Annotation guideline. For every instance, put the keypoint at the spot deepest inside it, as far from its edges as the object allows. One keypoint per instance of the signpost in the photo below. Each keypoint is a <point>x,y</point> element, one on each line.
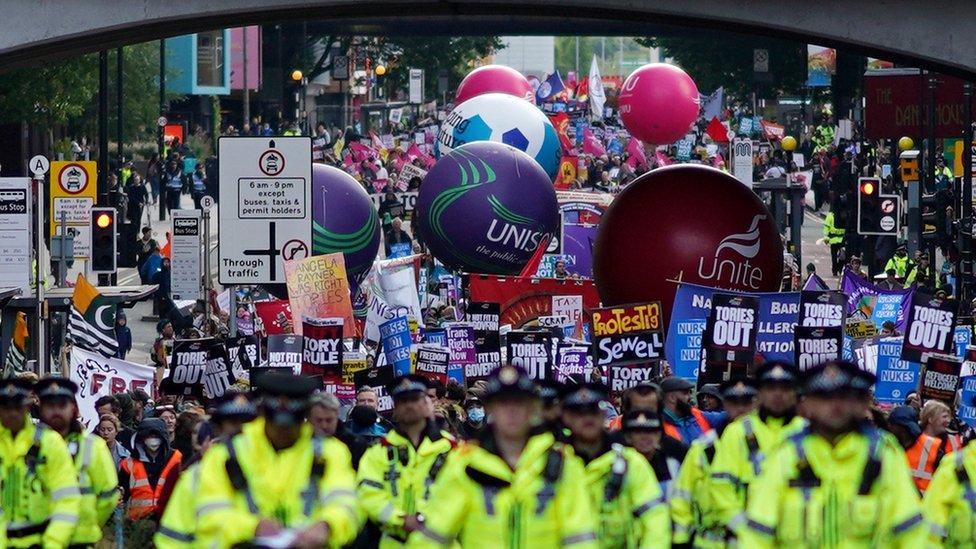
<point>185,249</point>
<point>265,194</point>
<point>742,160</point>
<point>73,191</point>
<point>15,233</point>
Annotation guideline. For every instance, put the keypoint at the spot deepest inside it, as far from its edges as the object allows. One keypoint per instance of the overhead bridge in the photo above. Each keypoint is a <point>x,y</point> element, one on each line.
<point>935,35</point>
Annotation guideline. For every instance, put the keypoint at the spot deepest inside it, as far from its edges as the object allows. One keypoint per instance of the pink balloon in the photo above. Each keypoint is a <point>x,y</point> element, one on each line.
<point>659,103</point>
<point>494,79</point>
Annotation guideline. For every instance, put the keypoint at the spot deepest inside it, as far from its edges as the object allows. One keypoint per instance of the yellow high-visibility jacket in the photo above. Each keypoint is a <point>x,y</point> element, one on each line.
<point>178,527</point>
<point>812,494</point>
<point>739,455</point>
<point>99,486</point>
<point>485,504</point>
<point>277,485</point>
<point>692,504</point>
<point>949,505</point>
<point>40,496</point>
<point>833,234</point>
<point>395,479</point>
<point>631,506</point>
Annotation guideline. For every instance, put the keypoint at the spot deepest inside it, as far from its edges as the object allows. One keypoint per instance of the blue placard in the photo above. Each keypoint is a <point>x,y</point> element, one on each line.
<point>395,335</point>
<point>778,314</point>
<point>896,377</point>
<point>967,412</point>
<point>962,336</point>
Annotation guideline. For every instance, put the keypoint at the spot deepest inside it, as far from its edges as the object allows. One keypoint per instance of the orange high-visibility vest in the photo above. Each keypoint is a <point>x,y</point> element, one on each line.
<point>922,460</point>
<point>672,431</point>
<point>143,499</point>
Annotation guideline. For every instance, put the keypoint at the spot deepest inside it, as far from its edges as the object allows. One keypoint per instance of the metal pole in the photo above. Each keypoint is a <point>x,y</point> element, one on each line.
<point>102,177</point>
<point>965,215</point>
<point>247,89</point>
<point>232,313</point>
<point>930,169</point>
<point>39,279</point>
<point>62,259</point>
<point>206,271</point>
<point>577,59</point>
<point>161,144</point>
<point>119,65</point>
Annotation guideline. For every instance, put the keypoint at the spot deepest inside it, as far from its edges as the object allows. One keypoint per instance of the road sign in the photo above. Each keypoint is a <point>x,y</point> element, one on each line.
<point>877,214</point>
<point>888,205</point>
<point>73,191</point>
<point>161,121</point>
<point>265,189</point>
<point>39,165</point>
<point>186,271</point>
<point>887,223</point>
<point>760,60</point>
<point>15,233</point>
<point>416,86</point>
<point>207,202</point>
<point>742,160</point>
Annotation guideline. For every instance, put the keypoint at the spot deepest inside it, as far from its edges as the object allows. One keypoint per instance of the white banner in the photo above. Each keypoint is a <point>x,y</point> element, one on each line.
<point>98,376</point>
<point>392,289</point>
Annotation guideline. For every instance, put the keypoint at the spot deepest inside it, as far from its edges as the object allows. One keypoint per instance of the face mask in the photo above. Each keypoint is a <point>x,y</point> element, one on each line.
<point>476,415</point>
<point>153,443</point>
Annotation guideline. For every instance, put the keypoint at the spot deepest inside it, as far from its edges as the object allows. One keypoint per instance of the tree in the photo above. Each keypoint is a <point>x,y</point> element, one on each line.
<point>715,59</point>
<point>453,55</point>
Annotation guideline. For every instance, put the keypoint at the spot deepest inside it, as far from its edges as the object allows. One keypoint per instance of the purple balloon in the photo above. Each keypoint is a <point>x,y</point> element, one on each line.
<point>344,220</point>
<point>484,207</point>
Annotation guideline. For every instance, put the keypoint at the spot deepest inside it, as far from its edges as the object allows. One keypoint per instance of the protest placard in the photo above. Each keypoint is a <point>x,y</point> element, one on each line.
<point>865,301</point>
<point>285,351</point>
<point>822,309</point>
<point>532,351</point>
<point>624,376</point>
<point>930,327</point>
<point>860,329</point>
<point>318,288</point>
<point>97,376</point>
<point>242,354</point>
<point>395,337</point>
<point>322,346</point>
<point>218,375</point>
<point>896,377</point>
<point>378,379</point>
<point>408,172</point>
<point>939,377</point>
<point>432,362</point>
<point>729,342</point>
<point>570,306</point>
<point>188,364</point>
<point>275,316</point>
<point>484,317</point>
<point>815,345</point>
<point>460,341</point>
<point>628,334</point>
<point>574,361</point>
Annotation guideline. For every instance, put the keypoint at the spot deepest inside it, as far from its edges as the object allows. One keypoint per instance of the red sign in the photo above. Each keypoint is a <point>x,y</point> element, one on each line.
<point>524,299</point>
<point>895,105</point>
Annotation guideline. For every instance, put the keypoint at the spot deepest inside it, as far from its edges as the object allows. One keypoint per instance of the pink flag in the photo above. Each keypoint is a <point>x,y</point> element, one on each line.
<point>415,152</point>
<point>361,152</point>
<point>661,159</point>
<point>635,150</point>
<point>717,160</point>
<point>592,145</point>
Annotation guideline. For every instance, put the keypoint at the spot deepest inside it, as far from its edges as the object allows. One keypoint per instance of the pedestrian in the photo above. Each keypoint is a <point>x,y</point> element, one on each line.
<point>39,471</point>
<point>108,428</point>
<point>891,280</point>
<point>836,482</point>
<point>834,231</point>
<point>922,275</point>
<point>739,453</point>
<point>644,431</point>
<point>162,278</point>
<point>921,450</point>
<point>935,419</point>
<point>172,181</point>
<point>948,504</point>
<point>147,477</point>
<point>511,472</point>
<point>93,464</point>
<point>198,187</point>
<point>900,262</point>
<point>153,175</point>
<point>398,243</point>
<point>395,476</point>
<point>693,511</point>
<point>276,476</point>
<point>474,419</point>
<point>709,399</point>
<point>136,199</point>
<point>324,414</point>
<point>621,485</point>
<point>123,335</point>
<point>167,413</point>
<point>643,396</point>
<point>682,421</point>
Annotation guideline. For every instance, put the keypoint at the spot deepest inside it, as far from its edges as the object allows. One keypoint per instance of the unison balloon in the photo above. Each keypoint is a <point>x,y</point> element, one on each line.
<point>484,207</point>
<point>494,79</point>
<point>659,103</point>
<point>685,223</point>
<point>504,119</point>
<point>344,220</point>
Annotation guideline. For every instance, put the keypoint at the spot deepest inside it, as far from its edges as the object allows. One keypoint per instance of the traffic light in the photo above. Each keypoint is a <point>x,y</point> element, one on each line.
<point>868,205</point>
<point>103,240</point>
<point>934,227</point>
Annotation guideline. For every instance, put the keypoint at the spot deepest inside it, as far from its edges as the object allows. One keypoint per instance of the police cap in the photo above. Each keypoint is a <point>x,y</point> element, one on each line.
<point>15,391</point>
<point>55,387</point>
<point>738,389</point>
<point>234,405</point>
<point>408,385</point>
<point>776,372</point>
<point>641,420</point>
<point>587,396</point>
<point>829,378</point>
<point>862,381</point>
<point>510,380</point>
<point>286,385</point>
<point>550,390</point>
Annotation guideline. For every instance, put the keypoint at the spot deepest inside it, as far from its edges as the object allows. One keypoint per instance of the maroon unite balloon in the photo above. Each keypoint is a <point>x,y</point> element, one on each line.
<point>690,223</point>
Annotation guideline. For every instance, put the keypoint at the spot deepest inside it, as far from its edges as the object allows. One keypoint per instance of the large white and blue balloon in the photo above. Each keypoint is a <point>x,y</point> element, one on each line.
<point>507,119</point>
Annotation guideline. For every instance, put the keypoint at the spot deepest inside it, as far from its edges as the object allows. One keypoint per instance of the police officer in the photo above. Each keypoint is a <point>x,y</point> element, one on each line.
<point>693,512</point>
<point>97,477</point>
<point>275,480</point>
<point>836,482</point>
<point>949,505</point>
<point>621,484</point>
<point>178,527</point>
<point>395,475</point>
<point>40,488</point>
<point>510,488</point>
<point>746,442</point>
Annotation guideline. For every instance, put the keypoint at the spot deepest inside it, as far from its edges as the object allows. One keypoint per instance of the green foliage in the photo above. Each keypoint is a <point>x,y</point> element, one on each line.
<point>49,94</point>
<point>716,59</point>
<point>434,54</point>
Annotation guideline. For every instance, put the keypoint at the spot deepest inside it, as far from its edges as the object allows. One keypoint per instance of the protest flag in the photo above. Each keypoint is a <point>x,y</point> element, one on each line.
<point>597,96</point>
<point>711,105</point>
<point>717,131</point>
<point>17,353</point>
<point>561,122</point>
<point>378,145</point>
<point>567,172</point>
<point>360,152</point>
<point>338,146</point>
<point>533,265</point>
<point>550,88</point>
<point>635,150</point>
<point>91,324</point>
<point>592,145</point>
<point>583,90</point>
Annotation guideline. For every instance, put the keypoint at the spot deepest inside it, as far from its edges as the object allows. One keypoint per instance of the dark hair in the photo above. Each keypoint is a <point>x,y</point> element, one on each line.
<point>455,392</point>
<point>108,399</point>
<point>626,399</point>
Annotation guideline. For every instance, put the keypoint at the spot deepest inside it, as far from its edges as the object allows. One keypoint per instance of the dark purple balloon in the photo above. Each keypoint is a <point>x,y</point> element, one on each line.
<point>344,220</point>
<point>484,207</point>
